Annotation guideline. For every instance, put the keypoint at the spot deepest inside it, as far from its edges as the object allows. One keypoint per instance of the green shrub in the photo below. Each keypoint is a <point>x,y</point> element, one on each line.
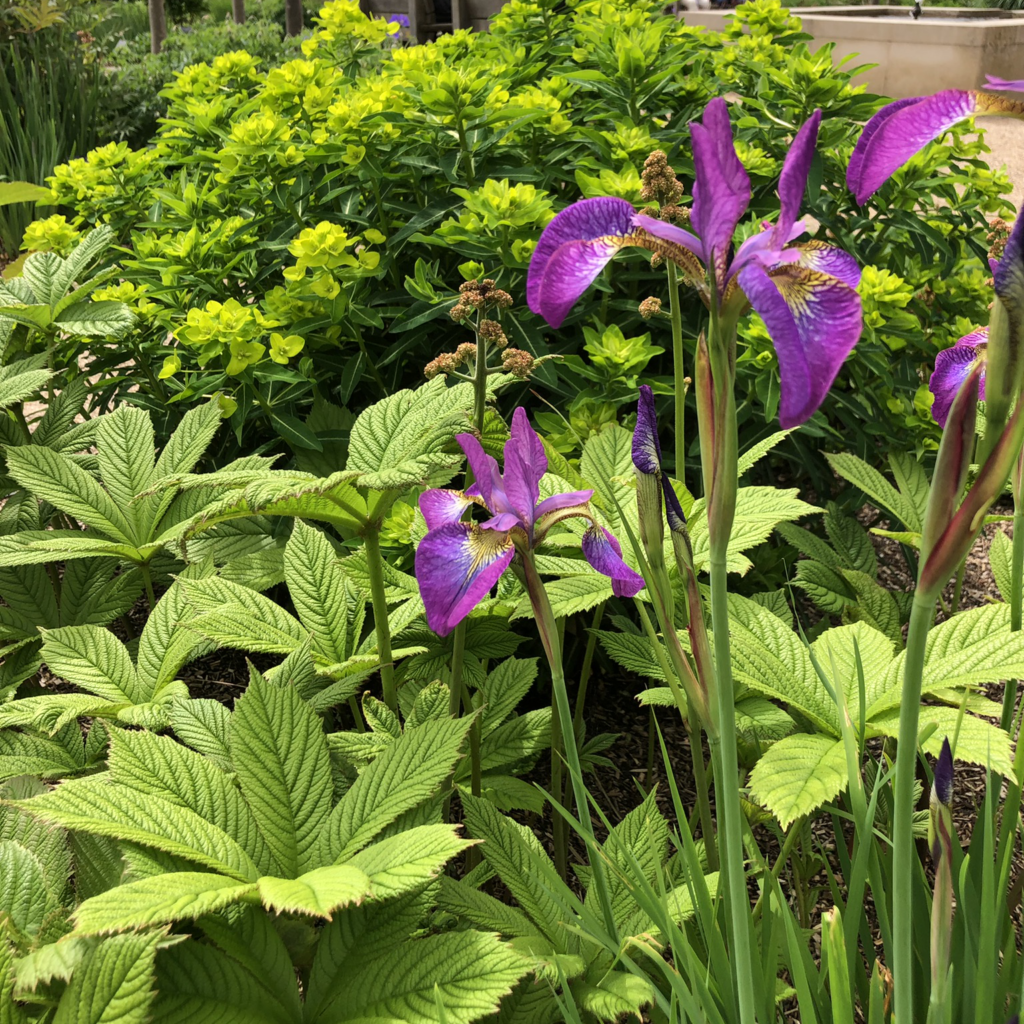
<point>431,162</point>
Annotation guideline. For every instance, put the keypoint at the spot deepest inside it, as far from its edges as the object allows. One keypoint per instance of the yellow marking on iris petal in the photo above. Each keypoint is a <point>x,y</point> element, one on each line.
<point>683,258</point>
<point>485,546</point>
<point>800,287</point>
<point>988,105</point>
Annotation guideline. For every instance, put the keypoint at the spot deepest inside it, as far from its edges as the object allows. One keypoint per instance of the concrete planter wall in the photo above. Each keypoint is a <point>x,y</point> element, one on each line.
<point>474,14</point>
<point>947,48</point>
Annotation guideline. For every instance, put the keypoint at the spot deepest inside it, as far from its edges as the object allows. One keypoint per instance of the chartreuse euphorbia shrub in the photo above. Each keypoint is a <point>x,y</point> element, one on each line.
<point>416,161</point>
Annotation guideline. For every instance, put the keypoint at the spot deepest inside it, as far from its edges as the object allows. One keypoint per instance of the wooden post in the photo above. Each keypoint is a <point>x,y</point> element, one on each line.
<point>238,11</point>
<point>157,25</point>
<point>292,17</point>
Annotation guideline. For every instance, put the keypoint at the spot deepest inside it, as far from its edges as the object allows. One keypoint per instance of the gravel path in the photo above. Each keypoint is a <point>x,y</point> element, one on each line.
<point>1006,139</point>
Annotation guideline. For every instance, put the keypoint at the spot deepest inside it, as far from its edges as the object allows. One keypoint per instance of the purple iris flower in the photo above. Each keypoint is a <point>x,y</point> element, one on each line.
<point>954,365</point>
<point>805,292</point>
<point>903,128</point>
<point>457,563</point>
<point>401,20</point>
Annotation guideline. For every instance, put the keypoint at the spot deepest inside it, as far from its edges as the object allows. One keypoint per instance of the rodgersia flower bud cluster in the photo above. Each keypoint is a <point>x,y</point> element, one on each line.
<point>659,183</point>
<point>478,297</point>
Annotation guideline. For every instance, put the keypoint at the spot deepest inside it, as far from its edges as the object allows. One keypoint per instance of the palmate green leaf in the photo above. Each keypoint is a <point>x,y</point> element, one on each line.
<point>159,765</point>
<point>465,972</point>
<point>1000,557</point>
<point>55,960</point>
<point>825,586</point>
<point>772,660</point>
<point>114,984</point>
<point>408,860</point>
<point>876,487</point>
<point>96,319</point>
<point>280,756</point>
<point>810,544</point>
<point>570,595</point>
<point>319,892</point>
<point>632,652</point>
<point>758,511</point>
<point>126,453</point>
<point>319,590</point>
<point>25,896</point>
<point>167,643</point>
<point>484,911</point>
<point>975,646</point>
<point>48,845</point>
<point>25,753</point>
<point>875,605</point>
<point>515,853</point>
<point>200,984</point>
<point>977,741</point>
<point>36,547</point>
<point>406,438</point>
<point>52,712</point>
<point>759,719</point>
<point>799,774</point>
<point>234,616</point>
<point>613,995</point>
<point>204,725</point>
<point>408,772</point>
<point>162,899</point>
<point>520,739</point>
<point>838,652</point>
<point>911,480</point>
<point>506,685</point>
<point>96,806</point>
<point>28,592</point>
<point>60,481</point>
<point>851,541</point>
<point>92,595</point>
<point>607,465</point>
<point>18,386</point>
<point>95,660</point>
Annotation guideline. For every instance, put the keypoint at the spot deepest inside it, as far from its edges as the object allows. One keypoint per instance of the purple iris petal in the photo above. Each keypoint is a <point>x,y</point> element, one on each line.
<point>572,269</point>
<point>674,511</point>
<point>943,776</point>
<point>814,321</point>
<point>442,507</point>
<point>456,567</point>
<point>829,259</point>
<point>721,190</point>
<point>952,367</point>
<point>486,474</point>
<point>646,446</point>
<point>670,233</point>
<point>525,464</point>
<point>793,180</point>
<point>503,521</point>
<point>558,502</point>
<point>1004,85</point>
<point>900,130</point>
<point>602,551</point>
<point>590,220</point>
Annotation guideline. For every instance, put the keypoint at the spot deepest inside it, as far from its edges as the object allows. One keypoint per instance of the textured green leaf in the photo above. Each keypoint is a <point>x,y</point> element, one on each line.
<point>91,595</point>
<point>760,719</point>
<point>977,741</point>
<point>52,712</point>
<point>809,544</point>
<point>157,764</point>
<point>56,960</point>
<point>465,972</point>
<point>319,590</point>
<point>96,319</point>
<point>634,653</point>
<point>17,387</point>
<point>95,660</point>
<point>57,479</point>
<point>607,465</point>
<point>570,595</point>
<point>876,487</point>
<point>975,646</point>
<point>22,192</point>
<point>519,739</point>
<point>1000,557</point>
<point>520,861</point>
<point>851,541</point>
<point>121,812</point>
<point>163,899</point>
<point>319,892</point>
<point>200,984</point>
<point>506,685</point>
<point>204,725</point>
<point>875,605</point>
<point>167,643</point>
<point>408,772</point>
<point>838,651</point>
<point>799,774</point>
<point>484,911</point>
<point>126,452</point>
<point>28,754</point>
<point>825,586</point>
<point>409,859</point>
<point>25,896</point>
<point>114,984</point>
<point>279,753</point>
<point>613,995</point>
<point>911,480</point>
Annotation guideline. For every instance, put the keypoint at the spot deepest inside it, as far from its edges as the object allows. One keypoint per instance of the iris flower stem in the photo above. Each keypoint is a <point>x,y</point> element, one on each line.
<point>1016,596</point>
<point>375,569</point>
<point>548,629</point>
<point>921,617</point>
<point>678,371</point>
<point>581,690</point>
<point>718,426</point>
